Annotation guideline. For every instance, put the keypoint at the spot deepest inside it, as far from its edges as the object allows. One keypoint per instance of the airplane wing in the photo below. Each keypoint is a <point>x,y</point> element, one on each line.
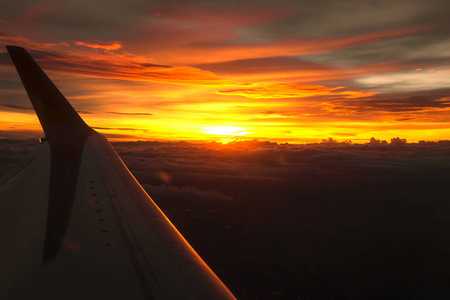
<point>75,223</point>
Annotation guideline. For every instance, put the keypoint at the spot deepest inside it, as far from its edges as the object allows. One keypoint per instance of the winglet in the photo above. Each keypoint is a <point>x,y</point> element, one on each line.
<point>59,120</point>
<point>66,134</point>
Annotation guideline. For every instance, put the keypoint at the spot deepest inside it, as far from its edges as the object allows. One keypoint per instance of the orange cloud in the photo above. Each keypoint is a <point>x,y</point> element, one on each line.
<point>99,45</point>
<point>127,66</point>
<point>121,66</point>
<point>6,39</point>
<point>293,91</point>
<point>291,69</point>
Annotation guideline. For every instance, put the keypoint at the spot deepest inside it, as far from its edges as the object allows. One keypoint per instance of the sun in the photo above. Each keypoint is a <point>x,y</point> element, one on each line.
<point>225,130</point>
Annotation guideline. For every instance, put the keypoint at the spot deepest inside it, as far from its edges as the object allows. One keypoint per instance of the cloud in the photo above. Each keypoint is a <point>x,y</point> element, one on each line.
<point>125,66</point>
<point>252,162</point>
<point>413,103</point>
<point>195,53</point>
<point>120,128</point>
<point>17,107</point>
<point>118,136</point>
<point>407,81</point>
<point>38,11</point>
<point>398,141</point>
<point>12,151</point>
<point>338,19</point>
<point>6,39</point>
<point>293,91</point>
<point>23,134</point>
<point>299,70</point>
<point>99,44</point>
<point>131,67</point>
<point>186,194</point>
<point>129,113</point>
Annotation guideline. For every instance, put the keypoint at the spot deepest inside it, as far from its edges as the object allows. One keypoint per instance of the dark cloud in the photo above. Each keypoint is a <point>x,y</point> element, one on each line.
<point>121,128</point>
<point>6,84</point>
<point>405,119</point>
<point>72,21</point>
<point>355,17</point>
<point>146,65</point>
<point>4,57</point>
<point>398,103</point>
<point>327,18</point>
<point>16,106</point>
<point>263,65</point>
<point>12,151</point>
<point>186,194</point>
<point>14,99</point>
<point>343,134</point>
<point>14,133</point>
<point>118,136</point>
<point>282,113</point>
<point>129,113</point>
<point>425,49</point>
<point>42,55</point>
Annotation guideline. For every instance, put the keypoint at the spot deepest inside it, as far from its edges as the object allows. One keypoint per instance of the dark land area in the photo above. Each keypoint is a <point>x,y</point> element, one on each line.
<point>318,221</point>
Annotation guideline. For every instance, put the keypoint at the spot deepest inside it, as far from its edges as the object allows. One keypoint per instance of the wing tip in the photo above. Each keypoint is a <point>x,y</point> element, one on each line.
<point>13,48</point>
<point>58,118</point>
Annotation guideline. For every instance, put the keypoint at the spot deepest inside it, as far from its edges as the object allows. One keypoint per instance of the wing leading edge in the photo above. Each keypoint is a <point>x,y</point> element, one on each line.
<point>85,228</point>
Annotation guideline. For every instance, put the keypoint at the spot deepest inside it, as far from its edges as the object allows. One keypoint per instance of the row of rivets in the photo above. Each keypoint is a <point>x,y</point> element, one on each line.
<point>99,211</point>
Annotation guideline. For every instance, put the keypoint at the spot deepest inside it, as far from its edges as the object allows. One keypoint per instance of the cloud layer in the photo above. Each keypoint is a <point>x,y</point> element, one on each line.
<point>330,219</point>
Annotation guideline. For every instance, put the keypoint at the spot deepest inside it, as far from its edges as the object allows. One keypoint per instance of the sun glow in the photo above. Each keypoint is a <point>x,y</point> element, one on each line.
<point>225,130</point>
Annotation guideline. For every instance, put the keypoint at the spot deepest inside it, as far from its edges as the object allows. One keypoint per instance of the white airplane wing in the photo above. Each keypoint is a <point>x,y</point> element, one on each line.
<point>75,223</point>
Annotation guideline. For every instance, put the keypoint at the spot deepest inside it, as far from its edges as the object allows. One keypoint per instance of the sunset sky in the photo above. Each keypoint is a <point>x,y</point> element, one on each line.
<point>286,71</point>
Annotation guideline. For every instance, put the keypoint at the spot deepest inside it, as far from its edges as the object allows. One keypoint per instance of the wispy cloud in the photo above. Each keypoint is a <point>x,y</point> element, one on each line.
<point>417,80</point>
<point>412,104</point>
<point>17,106</point>
<point>99,44</point>
<point>120,128</point>
<point>6,39</point>
<point>293,91</point>
<point>125,66</point>
<point>132,67</point>
<point>291,46</point>
<point>129,113</point>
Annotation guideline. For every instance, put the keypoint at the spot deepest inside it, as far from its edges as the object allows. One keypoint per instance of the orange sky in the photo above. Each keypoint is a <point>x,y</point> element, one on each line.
<point>209,71</point>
